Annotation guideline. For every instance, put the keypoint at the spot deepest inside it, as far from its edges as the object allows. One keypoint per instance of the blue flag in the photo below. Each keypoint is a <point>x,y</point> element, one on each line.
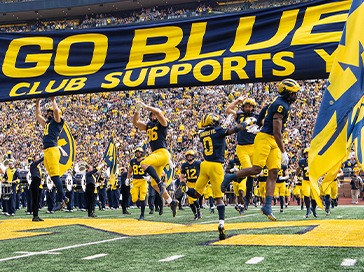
<point>110,156</point>
<point>339,122</point>
<point>68,144</point>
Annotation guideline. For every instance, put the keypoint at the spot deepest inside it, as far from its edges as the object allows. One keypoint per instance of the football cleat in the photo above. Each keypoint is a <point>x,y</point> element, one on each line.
<point>162,187</point>
<point>237,208</point>
<point>268,213</point>
<point>327,212</point>
<point>37,219</point>
<point>92,215</point>
<point>151,211</point>
<point>141,217</point>
<point>314,212</point>
<point>196,217</point>
<point>221,229</point>
<point>212,210</point>
<point>241,210</point>
<point>126,212</point>
<point>227,179</point>
<point>199,216</point>
<point>173,206</point>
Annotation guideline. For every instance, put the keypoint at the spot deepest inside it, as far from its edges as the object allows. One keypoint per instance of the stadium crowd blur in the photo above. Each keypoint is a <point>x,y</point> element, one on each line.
<point>93,117</point>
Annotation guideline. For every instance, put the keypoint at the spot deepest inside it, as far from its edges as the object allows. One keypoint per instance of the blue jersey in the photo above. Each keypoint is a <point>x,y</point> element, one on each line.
<point>191,171</point>
<point>214,144</point>
<point>279,105</point>
<point>245,137</point>
<point>281,173</point>
<point>303,163</point>
<point>138,172</point>
<point>157,135</point>
<point>52,130</point>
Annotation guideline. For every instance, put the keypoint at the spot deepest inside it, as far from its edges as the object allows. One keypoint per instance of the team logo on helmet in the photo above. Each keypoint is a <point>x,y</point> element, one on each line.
<point>210,119</point>
<point>288,88</point>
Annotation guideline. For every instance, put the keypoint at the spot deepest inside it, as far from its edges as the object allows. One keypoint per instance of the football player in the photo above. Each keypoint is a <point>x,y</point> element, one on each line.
<point>138,185</point>
<point>330,189</point>
<point>269,148</point>
<point>53,125</point>
<point>280,189</point>
<point>190,170</point>
<point>302,169</point>
<point>156,129</point>
<point>245,147</point>
<point>214,144</point>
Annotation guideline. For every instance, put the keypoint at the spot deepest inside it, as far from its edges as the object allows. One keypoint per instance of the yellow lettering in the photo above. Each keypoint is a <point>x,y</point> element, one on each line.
<point>258,59</point>
<point>112,78</point>
<point>245,30</point>
<point>168,49</point>
<point>238,68</point>
<point>278,59</point>
<point>34,89</point>
<point>317,16</point>
<point>179,69</point>
<point>13,91</point>
<point>216,70</point>
<point>75,84</point>
<point>98,57</point>
<point>195,42</point>
<point>157,72</point>
<point>39,60</point>
<point>49,89</point>
<point>127,78</point>
<point>329,59</point>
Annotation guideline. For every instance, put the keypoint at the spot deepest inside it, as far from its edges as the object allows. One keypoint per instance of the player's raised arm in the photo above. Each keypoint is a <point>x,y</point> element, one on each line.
<point>38,113</point>
<point>136,118</point>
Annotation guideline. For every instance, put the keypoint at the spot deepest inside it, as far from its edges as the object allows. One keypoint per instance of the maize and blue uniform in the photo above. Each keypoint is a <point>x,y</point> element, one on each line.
<point>160,156</point>
<point>280,189</point>
<point>266,150</point>
<point>237,186</point>
<point>191,172</point>
<point>214,145</point>
<point>262,181</point>
<point>139,185</point>
<point>306,188</point>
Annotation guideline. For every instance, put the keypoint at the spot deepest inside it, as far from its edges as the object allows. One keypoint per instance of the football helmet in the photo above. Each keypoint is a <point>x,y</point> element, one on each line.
<point>141,150</point>
<point>210,119</point>
<point>190,153</point>
<point>250,101</point>
<point>288,88</point>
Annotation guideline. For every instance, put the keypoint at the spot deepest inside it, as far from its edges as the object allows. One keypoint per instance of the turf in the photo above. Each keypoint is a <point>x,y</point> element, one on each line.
<point>64,239</point>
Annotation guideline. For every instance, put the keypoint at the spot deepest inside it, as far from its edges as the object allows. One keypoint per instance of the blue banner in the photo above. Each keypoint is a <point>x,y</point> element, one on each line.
<point>297,41</point>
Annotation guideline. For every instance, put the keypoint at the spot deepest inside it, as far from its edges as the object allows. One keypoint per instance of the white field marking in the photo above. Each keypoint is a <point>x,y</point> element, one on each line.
<point>339,216</point>
<point>255,260</point>
<point>44,252</point>
<point>172,258</point>
<point>230,218</point>
<point>28,252</point>
<point>348,262</point>
<point>95,256</point>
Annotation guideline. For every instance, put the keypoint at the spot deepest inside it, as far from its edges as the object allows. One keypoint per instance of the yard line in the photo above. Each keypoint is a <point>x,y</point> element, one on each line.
<point>172,258</point>
<point>255,260</point>
<point>348,262</point>
<point>95,256</point>
<point>44,252</point>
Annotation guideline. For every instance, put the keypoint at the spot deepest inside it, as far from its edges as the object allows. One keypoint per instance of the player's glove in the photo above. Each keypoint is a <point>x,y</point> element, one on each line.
<point>285,159</point>
<point>127,182</point>
<point>248,122</point>
<point>253,129</point>
<point>138,106</point>
<point>233,170</point>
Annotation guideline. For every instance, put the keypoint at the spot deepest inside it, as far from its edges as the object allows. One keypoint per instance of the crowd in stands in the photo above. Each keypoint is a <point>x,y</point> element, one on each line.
<point>93,117</point>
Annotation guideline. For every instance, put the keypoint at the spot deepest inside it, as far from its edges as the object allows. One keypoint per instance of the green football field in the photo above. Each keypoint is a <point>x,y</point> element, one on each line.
<point>115,242</point>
